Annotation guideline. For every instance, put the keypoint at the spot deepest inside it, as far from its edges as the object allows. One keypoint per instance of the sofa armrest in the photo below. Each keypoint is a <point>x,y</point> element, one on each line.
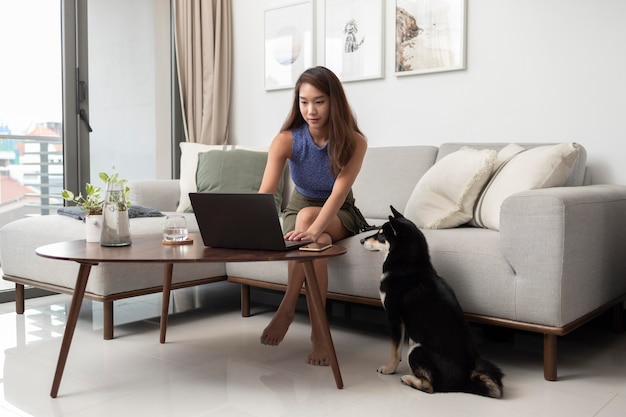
<point>162,195</point>
<point>566,246</point>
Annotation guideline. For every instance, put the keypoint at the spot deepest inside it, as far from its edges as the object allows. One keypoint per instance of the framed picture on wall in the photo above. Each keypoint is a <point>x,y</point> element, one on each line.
<point>430,36</point>
<point>288,43</point>
<point>353,44</point>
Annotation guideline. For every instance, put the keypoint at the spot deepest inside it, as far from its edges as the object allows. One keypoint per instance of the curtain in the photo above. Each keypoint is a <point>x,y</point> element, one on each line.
<point>203,45</point>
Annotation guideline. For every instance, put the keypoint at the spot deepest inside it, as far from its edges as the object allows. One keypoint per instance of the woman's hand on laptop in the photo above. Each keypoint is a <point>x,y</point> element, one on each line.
<point>299,235</point>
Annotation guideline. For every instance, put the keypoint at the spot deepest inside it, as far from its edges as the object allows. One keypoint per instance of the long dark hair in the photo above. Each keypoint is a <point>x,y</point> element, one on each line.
<point>342,123</point>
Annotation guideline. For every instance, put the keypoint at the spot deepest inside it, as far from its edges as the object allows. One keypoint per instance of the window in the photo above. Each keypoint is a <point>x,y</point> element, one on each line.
<point>31,150</point>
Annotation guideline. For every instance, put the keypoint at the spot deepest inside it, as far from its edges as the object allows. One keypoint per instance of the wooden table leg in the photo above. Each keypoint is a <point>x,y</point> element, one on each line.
<point>318,313</point>
<point>165,305</point>
<point>72,318</point>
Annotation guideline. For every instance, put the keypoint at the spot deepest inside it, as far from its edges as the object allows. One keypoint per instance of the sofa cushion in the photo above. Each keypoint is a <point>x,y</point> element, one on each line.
<point>529,169</point>
<point>387,176</point>
<point>471,262</point>
<point>188,163</point>
<point>21,237</point>
<point>234,171</point>
<point>578,176</point>
<point>445,195</point>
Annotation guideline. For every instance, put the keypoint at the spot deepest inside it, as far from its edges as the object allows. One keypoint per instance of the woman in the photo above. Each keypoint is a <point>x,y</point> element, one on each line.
<point>325,150</point>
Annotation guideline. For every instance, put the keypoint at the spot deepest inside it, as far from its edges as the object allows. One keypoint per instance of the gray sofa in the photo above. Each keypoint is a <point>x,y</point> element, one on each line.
<point>555,263</point>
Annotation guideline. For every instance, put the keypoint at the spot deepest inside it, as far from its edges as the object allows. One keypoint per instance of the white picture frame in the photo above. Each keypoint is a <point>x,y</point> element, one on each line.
<point>430,36</point>
<point>354,39</point>
<point>289,43</point>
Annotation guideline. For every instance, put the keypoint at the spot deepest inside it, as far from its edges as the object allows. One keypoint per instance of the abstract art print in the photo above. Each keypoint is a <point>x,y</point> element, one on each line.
<point>288,43</point>
<point>430,36</point>
<point>353,46</point>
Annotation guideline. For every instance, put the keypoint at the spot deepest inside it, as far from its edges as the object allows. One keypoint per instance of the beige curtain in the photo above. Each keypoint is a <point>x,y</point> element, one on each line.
<point>203,44</point>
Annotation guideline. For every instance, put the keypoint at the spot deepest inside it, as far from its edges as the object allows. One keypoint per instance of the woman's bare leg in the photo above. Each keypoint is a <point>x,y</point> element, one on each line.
<point>275,332</point>
<point>320,355</point>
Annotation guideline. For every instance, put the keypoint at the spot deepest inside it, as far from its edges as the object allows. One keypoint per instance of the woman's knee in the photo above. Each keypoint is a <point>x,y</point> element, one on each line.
<point>306,217</point>
<point>325,238</point>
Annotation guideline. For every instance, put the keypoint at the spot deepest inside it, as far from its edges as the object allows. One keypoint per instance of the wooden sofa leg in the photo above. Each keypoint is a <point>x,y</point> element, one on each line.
<point>549,357</point>
<point>245,300</point>
<point>19,298</point>
<point>108,319</point>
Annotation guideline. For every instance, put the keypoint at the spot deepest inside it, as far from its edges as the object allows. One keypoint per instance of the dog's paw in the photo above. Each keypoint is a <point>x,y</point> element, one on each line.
<point>388,369</point>
<point>417,383</point>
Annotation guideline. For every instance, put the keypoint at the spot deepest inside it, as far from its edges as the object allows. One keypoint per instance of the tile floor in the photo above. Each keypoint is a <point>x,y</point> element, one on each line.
<point>213,365</point>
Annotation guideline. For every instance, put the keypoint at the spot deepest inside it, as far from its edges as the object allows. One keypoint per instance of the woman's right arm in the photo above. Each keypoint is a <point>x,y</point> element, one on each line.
<point>280,151</point>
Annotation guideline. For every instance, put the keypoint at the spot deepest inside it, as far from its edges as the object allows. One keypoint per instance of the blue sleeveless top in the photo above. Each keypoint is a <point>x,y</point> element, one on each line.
<point>310,165</point>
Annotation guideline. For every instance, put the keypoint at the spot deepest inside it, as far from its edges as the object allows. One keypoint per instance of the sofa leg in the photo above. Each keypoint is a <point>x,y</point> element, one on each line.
<point>549,357</point>
<point>108,319</point>
<point>19,298</point>
<point>245,300</point>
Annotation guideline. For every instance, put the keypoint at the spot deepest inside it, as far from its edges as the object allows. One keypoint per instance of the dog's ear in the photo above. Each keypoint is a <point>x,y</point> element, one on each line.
<point>396,213</point>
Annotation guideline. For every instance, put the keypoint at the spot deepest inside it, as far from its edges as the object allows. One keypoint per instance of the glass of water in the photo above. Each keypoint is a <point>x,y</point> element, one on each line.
<point>175,228</point>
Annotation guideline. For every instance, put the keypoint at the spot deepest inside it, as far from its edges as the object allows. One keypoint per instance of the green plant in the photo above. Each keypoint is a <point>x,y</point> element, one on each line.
<point>117,196</point>
<point>91,203</point>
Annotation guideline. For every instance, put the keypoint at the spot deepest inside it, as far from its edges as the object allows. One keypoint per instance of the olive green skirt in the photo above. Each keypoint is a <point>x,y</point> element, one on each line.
<point>349,214</point>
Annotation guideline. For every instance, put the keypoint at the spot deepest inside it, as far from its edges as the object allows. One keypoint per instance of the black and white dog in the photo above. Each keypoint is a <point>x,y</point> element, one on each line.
<point>442,354</point>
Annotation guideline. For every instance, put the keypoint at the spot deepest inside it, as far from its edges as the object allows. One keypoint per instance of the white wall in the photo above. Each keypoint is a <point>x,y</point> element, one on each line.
<point>537,71</point>
<point>129,88</point>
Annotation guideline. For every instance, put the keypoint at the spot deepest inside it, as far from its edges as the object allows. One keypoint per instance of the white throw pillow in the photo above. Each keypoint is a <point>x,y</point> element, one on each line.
<point>535,168</point>
<point>445,195</point>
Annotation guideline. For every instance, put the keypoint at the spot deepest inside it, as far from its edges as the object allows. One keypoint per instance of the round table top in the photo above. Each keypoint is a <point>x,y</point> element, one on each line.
<point>150,248</point>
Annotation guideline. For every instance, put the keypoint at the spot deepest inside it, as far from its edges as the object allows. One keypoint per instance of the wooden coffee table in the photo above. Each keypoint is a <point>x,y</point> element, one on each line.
<point>150,249</point>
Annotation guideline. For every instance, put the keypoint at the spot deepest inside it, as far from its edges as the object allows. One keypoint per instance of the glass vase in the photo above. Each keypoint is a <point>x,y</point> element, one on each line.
<point>116,223</point>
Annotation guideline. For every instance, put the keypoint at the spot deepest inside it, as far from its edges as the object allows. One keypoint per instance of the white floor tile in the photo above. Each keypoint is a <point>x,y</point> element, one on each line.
<point>212,364</point>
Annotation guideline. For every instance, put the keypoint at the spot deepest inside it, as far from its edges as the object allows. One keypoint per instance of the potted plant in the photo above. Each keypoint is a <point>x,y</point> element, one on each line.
<point>92,203</point>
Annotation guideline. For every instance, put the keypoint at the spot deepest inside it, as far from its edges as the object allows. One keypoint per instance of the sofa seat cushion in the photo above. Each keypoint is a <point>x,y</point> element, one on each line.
<point>487,288</point>
<point>363,271</point>
<point>470,261</point>
<point>21,237</point>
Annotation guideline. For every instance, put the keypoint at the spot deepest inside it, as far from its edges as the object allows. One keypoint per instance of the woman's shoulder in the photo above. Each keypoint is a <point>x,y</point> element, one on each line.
<point>285,136</point>
<point>282,143</point>
<point>359,139</point>
<point>360,146</point>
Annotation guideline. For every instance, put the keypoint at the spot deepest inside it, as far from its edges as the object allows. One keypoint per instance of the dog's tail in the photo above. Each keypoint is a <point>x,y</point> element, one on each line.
<point>486,379</point>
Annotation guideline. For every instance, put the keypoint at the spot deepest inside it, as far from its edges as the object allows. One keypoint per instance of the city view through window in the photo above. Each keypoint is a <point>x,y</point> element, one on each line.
<point>31,169</point>
<point>31,153</point>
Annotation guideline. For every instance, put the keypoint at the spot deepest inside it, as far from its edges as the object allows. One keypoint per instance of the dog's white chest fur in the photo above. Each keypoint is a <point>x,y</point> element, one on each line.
<point>382,293</point>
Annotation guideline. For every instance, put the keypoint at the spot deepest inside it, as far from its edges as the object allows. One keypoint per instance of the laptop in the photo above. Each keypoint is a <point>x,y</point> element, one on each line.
<point>240,221</point>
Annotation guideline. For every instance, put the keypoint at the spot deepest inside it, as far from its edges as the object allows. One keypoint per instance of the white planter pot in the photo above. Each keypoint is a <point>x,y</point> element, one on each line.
<point>93,227</point>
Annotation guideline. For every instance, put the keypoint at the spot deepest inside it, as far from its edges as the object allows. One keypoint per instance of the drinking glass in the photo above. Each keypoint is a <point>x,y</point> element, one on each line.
<point>175,228</point>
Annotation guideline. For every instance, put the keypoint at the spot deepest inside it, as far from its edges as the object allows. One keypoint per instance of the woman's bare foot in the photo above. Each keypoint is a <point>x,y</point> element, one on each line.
<point>275,332</point>
<point>319,356</point>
